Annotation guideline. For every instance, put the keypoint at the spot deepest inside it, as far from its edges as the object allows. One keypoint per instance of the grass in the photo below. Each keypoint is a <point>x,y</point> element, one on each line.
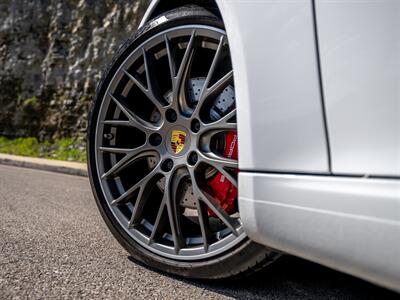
<point>61,149</point>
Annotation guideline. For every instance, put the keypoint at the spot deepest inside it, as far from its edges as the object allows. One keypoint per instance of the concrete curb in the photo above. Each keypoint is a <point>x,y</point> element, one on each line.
<point>66,167</point>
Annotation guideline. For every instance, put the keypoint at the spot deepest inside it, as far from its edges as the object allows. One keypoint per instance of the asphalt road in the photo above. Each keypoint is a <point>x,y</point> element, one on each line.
<point>54,244</point>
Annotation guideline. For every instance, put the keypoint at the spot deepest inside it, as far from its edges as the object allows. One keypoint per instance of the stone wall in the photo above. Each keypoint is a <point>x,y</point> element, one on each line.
<point>52,53</point>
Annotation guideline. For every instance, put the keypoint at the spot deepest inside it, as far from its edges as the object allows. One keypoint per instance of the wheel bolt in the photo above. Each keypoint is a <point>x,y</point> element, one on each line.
<point>192,159</point>
<point>167,165</point>
<point>108,136</point>
<point>155,139</point>
<point>171,115</point>
<point>195,125</point>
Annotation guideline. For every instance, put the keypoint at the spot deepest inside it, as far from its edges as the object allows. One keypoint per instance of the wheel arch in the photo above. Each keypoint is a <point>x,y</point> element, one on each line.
<point>157,7</point>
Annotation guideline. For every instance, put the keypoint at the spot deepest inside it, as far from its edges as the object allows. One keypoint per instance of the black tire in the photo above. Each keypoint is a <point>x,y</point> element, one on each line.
<point>244,258</point>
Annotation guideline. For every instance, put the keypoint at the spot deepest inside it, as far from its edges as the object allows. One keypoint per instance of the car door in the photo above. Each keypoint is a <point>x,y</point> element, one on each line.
<point>359,48</point>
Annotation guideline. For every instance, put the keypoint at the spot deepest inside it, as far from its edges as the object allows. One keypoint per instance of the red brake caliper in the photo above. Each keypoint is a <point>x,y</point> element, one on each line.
<point>221,188</point>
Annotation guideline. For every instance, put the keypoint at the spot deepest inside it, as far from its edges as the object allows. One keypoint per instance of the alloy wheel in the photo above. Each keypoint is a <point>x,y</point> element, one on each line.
<point>166,131</point>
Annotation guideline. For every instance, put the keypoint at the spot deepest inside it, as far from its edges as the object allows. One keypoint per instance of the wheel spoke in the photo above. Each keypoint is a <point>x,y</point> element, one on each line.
<point>213,205</point>
<point>180,78</point>
<point>214,90</point>
<point>220,85</point>
<point>221,164</point>
<point>213,66</point>
<point>139,185</point>
<point>136,81</point>
<point>115,150</point>
<point>131,156</point>
<point>216,59</point>
<point>171,59</point>
<point>204,223</point>
<point>222,124</point>
<point>171,188</point>
<point>148,90</point>
<point>134,121</point>
<point>159,222</point>
<point>116,123</point>
<point>142,198</point>
<point>185,63</point>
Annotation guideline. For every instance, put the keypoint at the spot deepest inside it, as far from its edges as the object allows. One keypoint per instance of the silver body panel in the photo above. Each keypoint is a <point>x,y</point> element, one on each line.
<point>280,120</point>
<point>349,224</point>
<point>318,94</point>
<point>360,62</point>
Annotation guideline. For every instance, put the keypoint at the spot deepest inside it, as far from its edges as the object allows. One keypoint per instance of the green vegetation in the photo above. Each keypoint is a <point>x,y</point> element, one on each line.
<point>62,149</point>
<point>29,102</point>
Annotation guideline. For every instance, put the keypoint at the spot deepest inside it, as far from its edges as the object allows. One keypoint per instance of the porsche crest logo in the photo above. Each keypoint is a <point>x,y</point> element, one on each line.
<point>178,138</point>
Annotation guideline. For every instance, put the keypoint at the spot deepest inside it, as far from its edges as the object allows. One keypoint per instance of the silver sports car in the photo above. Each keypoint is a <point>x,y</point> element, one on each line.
<point>225,133</point>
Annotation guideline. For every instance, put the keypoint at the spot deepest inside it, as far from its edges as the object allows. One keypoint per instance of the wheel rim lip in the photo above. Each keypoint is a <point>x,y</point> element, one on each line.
<point>185,254</point>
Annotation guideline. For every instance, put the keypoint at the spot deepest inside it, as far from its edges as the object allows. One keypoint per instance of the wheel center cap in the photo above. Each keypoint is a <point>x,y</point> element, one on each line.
<point>178,141</point>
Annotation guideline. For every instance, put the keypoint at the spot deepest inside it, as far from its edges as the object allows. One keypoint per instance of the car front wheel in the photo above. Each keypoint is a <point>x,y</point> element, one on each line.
<point>162,149</point>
